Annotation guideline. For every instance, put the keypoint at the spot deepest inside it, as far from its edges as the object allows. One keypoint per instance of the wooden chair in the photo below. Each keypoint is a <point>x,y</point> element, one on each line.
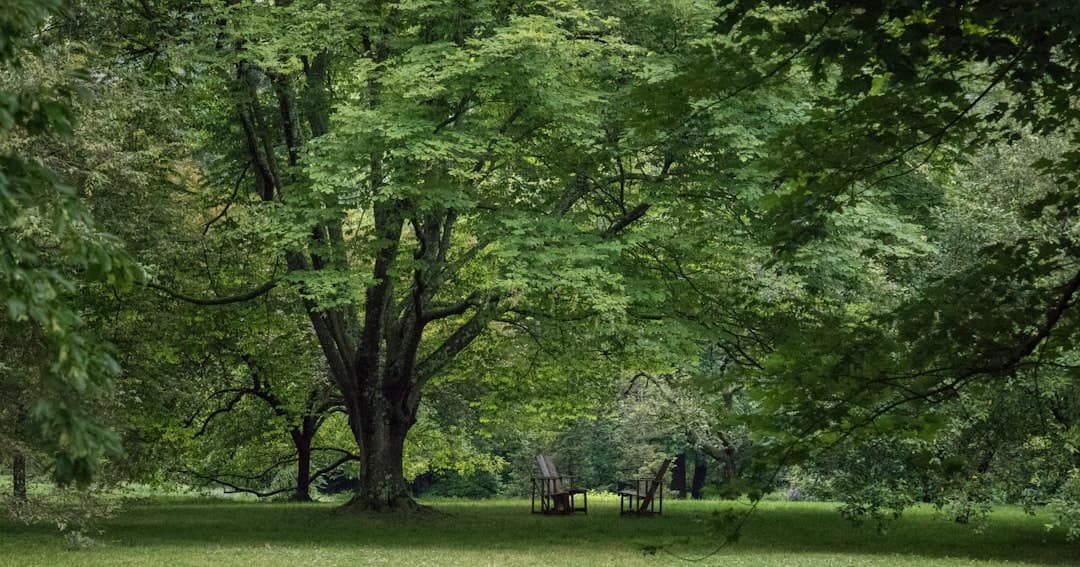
<point>639,496</point>
<point>557,492</point>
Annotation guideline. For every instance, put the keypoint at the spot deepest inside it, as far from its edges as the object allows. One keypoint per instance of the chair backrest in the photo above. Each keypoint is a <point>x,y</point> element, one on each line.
<point>651,491</point>
<point>551,467</point>
<point>549,473</point>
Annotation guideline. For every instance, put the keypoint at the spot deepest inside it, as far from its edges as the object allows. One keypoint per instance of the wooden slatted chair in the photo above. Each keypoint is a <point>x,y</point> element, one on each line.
<point>557,494</point>
<point>639,496</point>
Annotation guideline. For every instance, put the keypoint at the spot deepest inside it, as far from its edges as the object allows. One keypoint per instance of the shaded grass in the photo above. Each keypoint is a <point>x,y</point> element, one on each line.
<point>216,532</point>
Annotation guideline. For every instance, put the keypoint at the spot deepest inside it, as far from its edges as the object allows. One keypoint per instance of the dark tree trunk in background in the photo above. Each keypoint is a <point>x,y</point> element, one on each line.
<point>678,476</point>
<point>302,438</point>
<point>700,472</point>
<point>18,477</point>
<point>18,464</point>
<point>303,475</point>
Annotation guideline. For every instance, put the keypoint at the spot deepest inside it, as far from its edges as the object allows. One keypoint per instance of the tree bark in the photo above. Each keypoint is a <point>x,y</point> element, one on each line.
<point>381,438</point>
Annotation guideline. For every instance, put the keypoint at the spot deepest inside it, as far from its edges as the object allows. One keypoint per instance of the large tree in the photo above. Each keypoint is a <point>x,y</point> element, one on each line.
<point>422,172</point>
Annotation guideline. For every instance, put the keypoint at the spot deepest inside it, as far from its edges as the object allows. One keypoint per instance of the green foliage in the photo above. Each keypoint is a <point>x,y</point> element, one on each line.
<point>74,513</point>
<point>50,251</point>
<point>1066,506</point>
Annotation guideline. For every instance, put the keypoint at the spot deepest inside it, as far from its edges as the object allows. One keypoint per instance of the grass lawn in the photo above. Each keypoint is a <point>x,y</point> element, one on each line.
<point>221,532</point>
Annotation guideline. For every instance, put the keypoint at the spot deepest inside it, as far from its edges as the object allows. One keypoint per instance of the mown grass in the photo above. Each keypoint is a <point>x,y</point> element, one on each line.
<point>217,532</point>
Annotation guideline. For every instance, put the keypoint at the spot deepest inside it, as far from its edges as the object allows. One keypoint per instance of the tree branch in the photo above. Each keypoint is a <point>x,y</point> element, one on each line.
<point>248,296</point>
<point>454,344</point>
<point>229,201</point>
<point>450,310</point>
<point>626,220</point>
<point>1051,319</point>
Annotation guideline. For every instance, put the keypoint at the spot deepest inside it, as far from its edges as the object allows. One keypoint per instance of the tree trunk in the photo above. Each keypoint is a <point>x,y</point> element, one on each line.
<point>678,476</point>
<point>380,434</point>
<point>18,465</point>
<point>302,442</point>
<point>18,477</point>
<point>700,471</point>
<point>730,472</point>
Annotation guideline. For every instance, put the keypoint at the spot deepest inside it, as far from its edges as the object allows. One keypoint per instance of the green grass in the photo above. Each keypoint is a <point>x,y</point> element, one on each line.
<point>217,532</point>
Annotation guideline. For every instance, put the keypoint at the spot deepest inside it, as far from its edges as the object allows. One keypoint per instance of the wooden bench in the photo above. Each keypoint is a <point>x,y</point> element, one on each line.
<point>557,494</point>
<point>639,496</point>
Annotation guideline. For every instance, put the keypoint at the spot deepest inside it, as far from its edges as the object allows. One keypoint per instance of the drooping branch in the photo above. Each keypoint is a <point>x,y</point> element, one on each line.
<point>954,379</point>
<point>935,138</point>
<point>333,466</point>
<point>257,476</point>
<point>520,323</point>
<point>1050,320</point>
<point>239,298</point>
<point>228,407</point>
<point>234,487</point>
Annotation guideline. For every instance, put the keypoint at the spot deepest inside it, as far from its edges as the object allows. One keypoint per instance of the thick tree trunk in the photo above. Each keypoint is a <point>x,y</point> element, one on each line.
<point>380,433</point>
<point>700,471</point>
<point>18,477</point>
<point>678,476</point>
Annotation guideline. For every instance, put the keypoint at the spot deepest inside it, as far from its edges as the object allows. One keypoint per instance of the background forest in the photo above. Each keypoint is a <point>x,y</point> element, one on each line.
<point>808,250</point>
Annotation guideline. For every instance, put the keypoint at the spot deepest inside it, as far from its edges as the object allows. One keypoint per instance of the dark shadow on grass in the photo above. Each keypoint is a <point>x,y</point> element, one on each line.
<point>822,530</point>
